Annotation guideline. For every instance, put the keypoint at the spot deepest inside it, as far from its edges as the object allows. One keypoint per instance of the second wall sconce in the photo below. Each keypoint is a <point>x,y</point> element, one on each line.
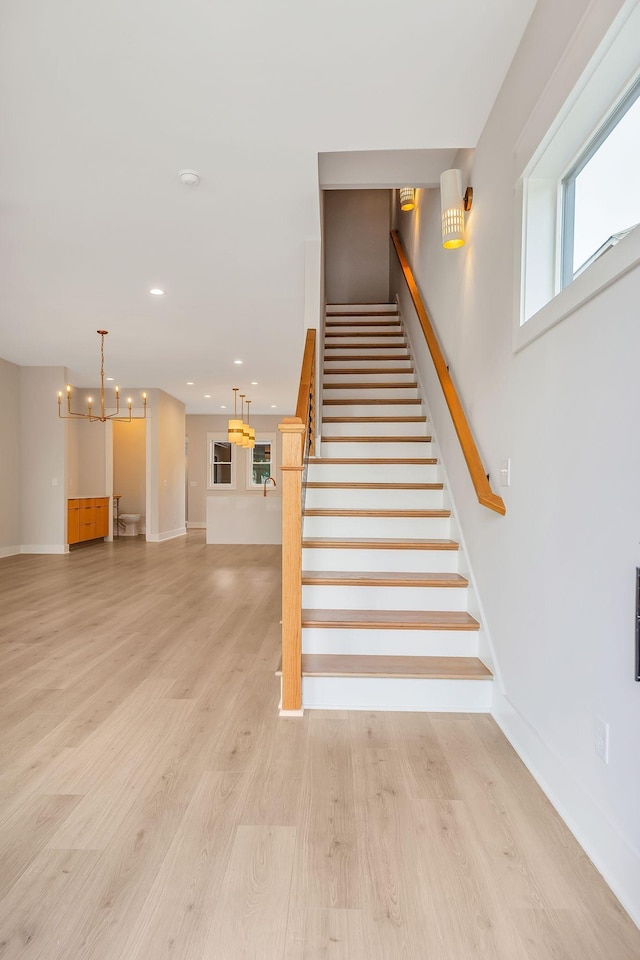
<point>453,205</point>
<point>407,198</point>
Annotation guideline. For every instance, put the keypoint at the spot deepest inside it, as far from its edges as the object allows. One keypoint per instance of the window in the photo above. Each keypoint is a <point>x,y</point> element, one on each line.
<point>577,182</point>
<point>222,474</point>
<point>601,192</point>
<point>261,461</point>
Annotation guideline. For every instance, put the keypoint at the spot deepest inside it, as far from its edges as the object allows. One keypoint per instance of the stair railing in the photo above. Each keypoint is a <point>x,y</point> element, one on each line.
<point>479,478</point>
<point>298,435</point>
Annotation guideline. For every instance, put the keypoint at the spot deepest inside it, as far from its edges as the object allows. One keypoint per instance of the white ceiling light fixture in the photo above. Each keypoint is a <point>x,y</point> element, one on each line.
<point>189,383</point>
<point>238,361</point>
<point>156,292</point>
<point>254,383</point>
<point>190,178</point>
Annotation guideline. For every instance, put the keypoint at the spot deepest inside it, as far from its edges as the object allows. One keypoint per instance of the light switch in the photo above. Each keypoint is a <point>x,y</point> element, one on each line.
<point>505,472</point>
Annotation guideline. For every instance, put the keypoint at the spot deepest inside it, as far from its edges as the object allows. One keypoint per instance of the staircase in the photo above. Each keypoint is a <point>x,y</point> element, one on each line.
<point>384,620</point>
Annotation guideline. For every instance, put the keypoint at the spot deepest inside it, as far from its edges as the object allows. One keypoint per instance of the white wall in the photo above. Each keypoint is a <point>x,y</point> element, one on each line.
<point>42,461</point>
<point>165,466</point>
<point>556,576</point>
<point>356,245</point>
<point>9,459</point>
<point>86,458</point>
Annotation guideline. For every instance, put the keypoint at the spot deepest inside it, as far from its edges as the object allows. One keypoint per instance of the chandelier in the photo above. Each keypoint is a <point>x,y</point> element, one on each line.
<point>102,416</point>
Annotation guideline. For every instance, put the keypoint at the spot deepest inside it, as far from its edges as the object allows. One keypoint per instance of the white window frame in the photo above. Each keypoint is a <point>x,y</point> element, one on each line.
<point>542,302</point>
<point>217,487</point>
<point>261,438</point>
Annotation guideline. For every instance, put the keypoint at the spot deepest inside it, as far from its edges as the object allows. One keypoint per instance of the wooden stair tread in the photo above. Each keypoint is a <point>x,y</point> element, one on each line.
<point>374,419</point>
<point>378,543</point>
<point>375,578</point>
<point>362,333</point>
<point>366,401</point>
<point>385,439</point>
<point>379,356</point>
<point>390,619</point>
<point>428,461</point>
<point>362,313</point>
<point>409,385</point>
<point>350,485</point>
<point>366,346</point>
<point>366,512</point>
<point>349,371</point>
<point>428,668</point>
<point>387,320</point>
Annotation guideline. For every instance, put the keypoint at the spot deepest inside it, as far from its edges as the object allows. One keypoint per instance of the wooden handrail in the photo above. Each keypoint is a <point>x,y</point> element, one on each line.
<point>294,430</point>
<point>484,493</point>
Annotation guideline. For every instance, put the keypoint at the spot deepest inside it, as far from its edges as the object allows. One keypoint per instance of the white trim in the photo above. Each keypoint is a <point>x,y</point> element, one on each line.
<point>44,548</point>
<point>221,437</point>
<point>610,852</point>
<point>9,551</point>
<point>196,525</point>
<point>166,535</point>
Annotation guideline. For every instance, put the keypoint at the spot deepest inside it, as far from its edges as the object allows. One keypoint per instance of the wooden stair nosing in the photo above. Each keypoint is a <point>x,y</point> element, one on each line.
<point>377,543</point>
<point>376,461</point>
<point>374,512</point>
<point>330,485</point>
<point>366,401</point>
<point>361,333</point>
<point>369,370</point>
<point>350,578</point>
<point>351,357</point>
<point>362,313</point>
<point>374,419</point>
<point>365,346</point>
<point>427,668</point>
<point>410,385</point>
<point>376,439</point>
<point>389,620</point>
<point>389,320</point>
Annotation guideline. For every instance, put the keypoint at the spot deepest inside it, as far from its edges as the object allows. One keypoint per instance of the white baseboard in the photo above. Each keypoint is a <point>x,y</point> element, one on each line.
<point>56,548</point>
<point>609,851</point>
<point>196,525</point>
<point>166,535</point>
<point>9,551</point>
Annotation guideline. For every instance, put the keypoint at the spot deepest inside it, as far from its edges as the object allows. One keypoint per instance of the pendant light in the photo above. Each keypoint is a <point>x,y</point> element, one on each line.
<point>248,432</point>
<point>235,425</point>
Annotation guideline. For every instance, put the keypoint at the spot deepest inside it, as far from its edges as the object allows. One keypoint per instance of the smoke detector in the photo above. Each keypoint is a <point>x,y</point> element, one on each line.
<point>189,178</point>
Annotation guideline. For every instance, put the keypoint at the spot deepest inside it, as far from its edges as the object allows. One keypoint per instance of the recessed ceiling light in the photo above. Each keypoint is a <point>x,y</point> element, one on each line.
<point>223,406</point>
<point>110,378</point>
<point>157,292</point>
<point>207,396</point>
<point>189,383</point>
<point>237,361</point>
<point>254,383</point>
<point>273,406</point>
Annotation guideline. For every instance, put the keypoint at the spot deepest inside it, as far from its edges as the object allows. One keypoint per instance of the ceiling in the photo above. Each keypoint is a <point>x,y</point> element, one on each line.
<point>103,104</point>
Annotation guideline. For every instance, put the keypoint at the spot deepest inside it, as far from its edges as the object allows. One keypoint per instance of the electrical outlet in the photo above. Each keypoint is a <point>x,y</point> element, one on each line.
<point>505,472</point>
<point>54,481</point>
<point>602,739</point>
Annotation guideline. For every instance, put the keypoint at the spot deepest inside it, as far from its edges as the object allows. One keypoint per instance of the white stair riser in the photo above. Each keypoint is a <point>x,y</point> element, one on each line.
<point>331,364</point>
<point>372,448</point>
<point>397,340</point>
<point>390,693</point>
<point>392,326</point>
<point>364,309</point>
<point>374,472</point>
<point>374,499</point>
<point>383,598</point>
<point>393,561</point>
<point>370,354</point>
<point>371,393</point>
<point>373,410</point>
<point>423,527</point>
<point>408,377</point>
<point>401,643</point>
<point>417,428</point>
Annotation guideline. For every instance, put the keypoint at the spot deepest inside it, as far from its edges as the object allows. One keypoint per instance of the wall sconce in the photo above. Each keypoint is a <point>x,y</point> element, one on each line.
<point>452,207</point>
<point>407,198</point>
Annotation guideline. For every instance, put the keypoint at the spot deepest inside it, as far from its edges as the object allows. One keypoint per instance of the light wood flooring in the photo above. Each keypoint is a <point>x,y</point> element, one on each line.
<point>154,806</point>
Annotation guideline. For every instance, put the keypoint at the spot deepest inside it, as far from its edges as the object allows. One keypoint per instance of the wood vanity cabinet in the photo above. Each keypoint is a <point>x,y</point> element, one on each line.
<point>87,519</point>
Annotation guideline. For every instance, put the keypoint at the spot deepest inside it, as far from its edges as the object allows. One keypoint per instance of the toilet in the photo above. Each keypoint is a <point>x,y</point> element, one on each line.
<point>129,523</point>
